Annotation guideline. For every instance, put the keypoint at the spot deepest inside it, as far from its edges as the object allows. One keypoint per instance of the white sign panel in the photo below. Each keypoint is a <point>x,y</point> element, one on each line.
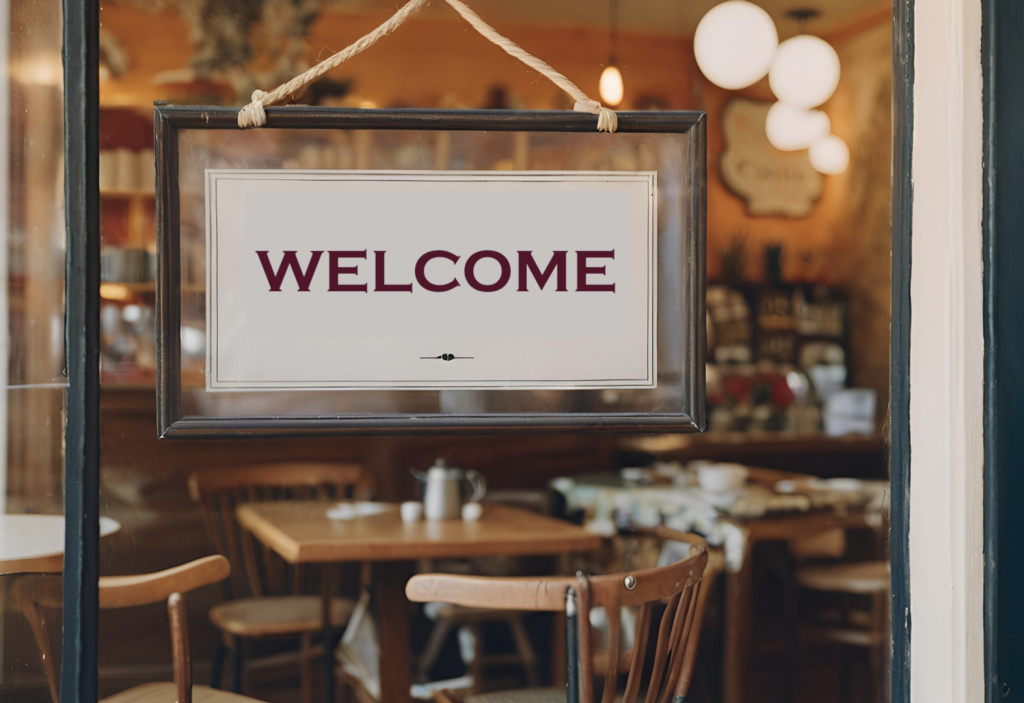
<point>430,280</point>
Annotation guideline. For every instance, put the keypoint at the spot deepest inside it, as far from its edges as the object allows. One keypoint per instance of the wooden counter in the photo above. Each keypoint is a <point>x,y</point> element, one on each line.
<point>816,454</point>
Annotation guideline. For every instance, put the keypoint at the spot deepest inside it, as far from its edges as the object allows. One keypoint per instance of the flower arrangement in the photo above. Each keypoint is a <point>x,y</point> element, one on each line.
<point>757,400</point>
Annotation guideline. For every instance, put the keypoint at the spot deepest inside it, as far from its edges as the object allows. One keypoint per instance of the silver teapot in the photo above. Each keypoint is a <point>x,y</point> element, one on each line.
<point>442,490</point>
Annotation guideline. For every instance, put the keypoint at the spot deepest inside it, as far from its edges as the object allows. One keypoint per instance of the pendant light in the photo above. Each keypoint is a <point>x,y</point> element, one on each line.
<point>805,72</point>
<point>735,43</point>
<point>611,87</point>
<point>829,155</point>
<point>793,128</point>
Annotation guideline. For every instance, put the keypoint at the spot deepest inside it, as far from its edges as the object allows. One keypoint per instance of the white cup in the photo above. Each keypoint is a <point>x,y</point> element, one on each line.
<point>721,478</point>
<point>471,512</point>
<point>412,511</point>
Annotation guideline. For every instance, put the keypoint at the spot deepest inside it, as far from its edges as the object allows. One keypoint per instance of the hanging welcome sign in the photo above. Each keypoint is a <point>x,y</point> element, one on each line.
<point>434,270</point>
<point>343,280</point>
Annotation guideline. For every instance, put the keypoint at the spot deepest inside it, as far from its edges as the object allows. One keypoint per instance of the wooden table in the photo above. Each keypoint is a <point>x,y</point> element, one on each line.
<point>780,527</point>
<point>35,543</point>
<point>737,616</point>
<point>302,533</point>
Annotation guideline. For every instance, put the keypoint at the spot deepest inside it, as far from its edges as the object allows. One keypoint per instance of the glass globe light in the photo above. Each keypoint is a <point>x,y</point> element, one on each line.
<point>805,72</point>
<point>610,86</point>
<point>829,155</point>
<point>792,128</point>
<point>735,43</point>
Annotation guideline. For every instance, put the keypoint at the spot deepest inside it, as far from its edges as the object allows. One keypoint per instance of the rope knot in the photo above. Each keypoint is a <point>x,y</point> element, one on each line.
<point>607,120</point>
<point>253,114</point>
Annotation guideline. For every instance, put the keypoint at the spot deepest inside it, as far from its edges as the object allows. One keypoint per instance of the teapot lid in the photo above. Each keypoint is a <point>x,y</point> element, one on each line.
<point>440,465</point>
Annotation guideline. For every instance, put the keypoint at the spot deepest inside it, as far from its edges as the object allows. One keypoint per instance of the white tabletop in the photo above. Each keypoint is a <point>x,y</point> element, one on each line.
<point>36,542</point>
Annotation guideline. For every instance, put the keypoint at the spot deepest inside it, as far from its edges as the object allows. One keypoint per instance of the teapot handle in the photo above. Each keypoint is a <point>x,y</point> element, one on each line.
<point>477,483</point>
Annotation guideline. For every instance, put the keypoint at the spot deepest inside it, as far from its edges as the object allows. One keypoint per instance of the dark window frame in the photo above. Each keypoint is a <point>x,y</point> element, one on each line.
<point>1002,220</point>
<point>82,461</point>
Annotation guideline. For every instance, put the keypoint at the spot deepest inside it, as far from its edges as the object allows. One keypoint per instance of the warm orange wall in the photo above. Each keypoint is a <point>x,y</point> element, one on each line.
<point>805,241</point>
<point>431,58</point>
<point>815,247</point>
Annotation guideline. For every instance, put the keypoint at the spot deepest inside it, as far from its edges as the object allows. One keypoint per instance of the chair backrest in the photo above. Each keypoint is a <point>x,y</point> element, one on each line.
<point>220,491</point>
<point>677,586</point>
<point>37,594</point>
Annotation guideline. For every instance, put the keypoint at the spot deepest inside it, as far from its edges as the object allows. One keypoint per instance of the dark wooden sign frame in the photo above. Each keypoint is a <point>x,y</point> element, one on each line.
<point>170,121</point>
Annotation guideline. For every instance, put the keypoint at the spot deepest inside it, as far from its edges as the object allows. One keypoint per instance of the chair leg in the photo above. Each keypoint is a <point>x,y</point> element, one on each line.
<point>238,661</point>
<point>845,678</point>
<point>432,651</point>
<point>217,672</point>
<point>346,692</point>
<point>477,668</point>
<point>876,654</point>
<point>306,667</point>
<point>525,649</point>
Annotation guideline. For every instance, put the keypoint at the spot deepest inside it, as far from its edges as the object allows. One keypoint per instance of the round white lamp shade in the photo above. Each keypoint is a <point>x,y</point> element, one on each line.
<point>735,43</point>
<point>610,86</point>
<point>805,72</point>
<point>829,155</point>
<point>793,128</point>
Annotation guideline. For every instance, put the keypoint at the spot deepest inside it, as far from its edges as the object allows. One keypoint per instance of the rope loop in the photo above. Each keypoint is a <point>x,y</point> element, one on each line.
<point>254,115</point>
<point>607,119</point>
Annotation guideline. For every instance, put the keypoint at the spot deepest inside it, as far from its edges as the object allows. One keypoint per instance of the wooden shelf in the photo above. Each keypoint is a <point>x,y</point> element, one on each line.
<point>128,194</point>
<point>119,292</point>
<point>817,454</point>
<point>670,443</point>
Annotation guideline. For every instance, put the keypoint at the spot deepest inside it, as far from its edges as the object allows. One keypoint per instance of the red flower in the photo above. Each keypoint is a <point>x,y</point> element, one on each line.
<point>781,393</point>
<point>738,388</point>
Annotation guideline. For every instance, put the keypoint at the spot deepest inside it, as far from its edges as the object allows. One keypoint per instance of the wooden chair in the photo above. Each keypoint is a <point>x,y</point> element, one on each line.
<point>268,599</point>
<point>450,617</point>
<point>36,595</point>
<point>867,629</point>
<point>678,586</point>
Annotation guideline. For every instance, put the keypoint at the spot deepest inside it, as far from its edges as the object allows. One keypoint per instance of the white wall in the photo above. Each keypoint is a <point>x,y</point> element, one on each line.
<point>946,356</point>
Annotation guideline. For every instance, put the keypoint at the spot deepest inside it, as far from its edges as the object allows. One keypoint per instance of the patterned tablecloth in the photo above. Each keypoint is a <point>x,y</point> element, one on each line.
<point>610,501</point>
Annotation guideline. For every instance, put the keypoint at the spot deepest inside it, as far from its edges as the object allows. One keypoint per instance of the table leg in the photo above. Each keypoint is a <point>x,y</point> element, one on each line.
<point>393,630</point>
<point>558,653</point>
<point>558,639</point>
<point>737,635</point>
<point>326,588</point>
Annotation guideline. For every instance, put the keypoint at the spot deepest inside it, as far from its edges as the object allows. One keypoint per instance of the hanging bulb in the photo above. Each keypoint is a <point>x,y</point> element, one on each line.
<point>735,43</point>
<point>805,72</point>
<point>792,128</point>
<point>829,155</point>
<point>611,86</point>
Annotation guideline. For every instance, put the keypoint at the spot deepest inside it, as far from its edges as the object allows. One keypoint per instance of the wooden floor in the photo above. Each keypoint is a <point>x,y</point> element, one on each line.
<point>819,681</point>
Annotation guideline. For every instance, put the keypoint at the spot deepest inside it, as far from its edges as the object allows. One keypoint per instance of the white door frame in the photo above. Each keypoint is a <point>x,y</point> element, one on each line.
<point>946,357</point>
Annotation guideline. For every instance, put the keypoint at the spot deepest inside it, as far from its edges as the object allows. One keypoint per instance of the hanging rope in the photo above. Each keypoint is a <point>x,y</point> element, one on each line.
<point>254,115</point>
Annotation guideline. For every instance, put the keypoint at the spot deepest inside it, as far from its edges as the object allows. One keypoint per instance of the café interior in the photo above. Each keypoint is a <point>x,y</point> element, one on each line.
<point>338,582</point>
